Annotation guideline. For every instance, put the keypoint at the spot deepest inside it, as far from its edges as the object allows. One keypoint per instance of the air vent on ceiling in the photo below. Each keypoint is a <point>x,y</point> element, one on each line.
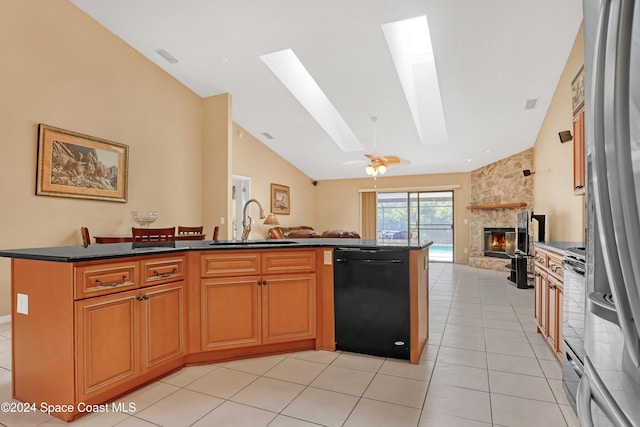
<point>530,104</point>
<point>267,135</point>
<point>167,56</point>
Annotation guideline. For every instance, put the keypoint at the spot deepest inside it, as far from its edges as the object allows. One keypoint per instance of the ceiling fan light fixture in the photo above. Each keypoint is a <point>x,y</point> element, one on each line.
<point>371,170</point>
<point>382,169</point>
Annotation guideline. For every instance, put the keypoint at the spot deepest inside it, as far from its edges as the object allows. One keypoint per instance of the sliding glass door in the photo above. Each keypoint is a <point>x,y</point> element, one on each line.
<point>403,216</point>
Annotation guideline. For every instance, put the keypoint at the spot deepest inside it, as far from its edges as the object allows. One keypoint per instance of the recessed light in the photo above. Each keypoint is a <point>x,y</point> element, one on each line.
<point>469,160</point>
<point>488,152</point>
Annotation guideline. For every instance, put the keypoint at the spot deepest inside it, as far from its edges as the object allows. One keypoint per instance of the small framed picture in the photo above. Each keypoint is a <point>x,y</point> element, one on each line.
<point>280,199</point>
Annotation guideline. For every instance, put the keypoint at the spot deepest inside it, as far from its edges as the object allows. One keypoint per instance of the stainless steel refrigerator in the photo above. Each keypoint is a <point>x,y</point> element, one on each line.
<point>609,389</point>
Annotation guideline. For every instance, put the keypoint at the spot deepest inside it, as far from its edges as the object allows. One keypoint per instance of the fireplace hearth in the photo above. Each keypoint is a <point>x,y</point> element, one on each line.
<point>499,242</point>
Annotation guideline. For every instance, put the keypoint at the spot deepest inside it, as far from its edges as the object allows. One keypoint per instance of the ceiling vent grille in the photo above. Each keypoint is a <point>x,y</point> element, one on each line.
<point>267,135</point>
<point>530,104</point>
<point>167,56</point>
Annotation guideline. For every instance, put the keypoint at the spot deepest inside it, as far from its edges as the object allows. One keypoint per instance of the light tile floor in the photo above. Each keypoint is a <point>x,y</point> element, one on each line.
<point>484,365</point>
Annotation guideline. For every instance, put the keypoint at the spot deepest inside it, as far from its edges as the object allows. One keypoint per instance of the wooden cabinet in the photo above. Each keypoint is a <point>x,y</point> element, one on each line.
<point>548,288</point>
<point>107,342</point>
<point>579,170</point>
<point>162,325</point>
<point>231,312</point>
<point>239,310</point>
<point>126,334</point>
<point>288,307</point>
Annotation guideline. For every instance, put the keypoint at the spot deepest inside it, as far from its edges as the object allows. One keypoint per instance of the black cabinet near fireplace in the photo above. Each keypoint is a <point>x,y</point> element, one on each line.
<point>519,271</point>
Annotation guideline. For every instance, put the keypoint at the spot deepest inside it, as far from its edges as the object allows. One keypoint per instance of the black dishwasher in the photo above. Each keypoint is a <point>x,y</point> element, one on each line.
<point>371,293</point>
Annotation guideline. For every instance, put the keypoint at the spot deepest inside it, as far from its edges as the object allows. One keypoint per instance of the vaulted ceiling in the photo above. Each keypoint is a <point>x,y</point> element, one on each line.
<point>497,63</point>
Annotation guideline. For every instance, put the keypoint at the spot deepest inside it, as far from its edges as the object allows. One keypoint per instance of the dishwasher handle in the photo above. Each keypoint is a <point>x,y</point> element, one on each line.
<point>371,261</point>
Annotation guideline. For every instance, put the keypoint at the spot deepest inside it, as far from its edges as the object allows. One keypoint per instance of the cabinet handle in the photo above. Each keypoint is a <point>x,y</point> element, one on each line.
<point>552,287</point>
<point>142,298</point>
<point>164,275</point>
<point>111,285</point>
<point>264,283</point>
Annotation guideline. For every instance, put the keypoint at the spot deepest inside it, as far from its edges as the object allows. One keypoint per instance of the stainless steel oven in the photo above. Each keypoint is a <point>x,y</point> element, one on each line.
<point>573,312</point>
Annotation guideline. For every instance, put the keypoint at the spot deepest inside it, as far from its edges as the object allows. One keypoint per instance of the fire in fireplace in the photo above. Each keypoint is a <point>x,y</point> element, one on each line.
<point>499,242</point>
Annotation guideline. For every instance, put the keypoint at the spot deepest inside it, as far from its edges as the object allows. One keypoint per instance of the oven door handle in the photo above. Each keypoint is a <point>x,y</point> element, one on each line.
<point>577,368</point>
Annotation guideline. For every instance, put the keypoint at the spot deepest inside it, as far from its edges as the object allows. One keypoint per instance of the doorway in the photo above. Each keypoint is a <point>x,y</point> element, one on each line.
<point>240,193</point>
<point>420,215</point>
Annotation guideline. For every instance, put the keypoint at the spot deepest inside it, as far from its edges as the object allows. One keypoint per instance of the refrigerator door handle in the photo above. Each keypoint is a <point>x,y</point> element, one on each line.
<point>591,388</point>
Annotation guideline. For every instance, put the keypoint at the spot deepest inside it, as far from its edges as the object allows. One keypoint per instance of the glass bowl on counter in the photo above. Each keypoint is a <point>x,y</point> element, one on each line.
<point>144,218</point>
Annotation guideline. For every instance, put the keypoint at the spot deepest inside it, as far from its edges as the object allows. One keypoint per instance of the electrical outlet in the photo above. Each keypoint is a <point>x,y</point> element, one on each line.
<point>22,305</point>
<point>222,220</point>
<point>328,258</point>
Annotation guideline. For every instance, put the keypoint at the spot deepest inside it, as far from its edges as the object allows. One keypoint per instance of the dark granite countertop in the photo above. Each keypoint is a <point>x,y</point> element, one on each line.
<point>558,247</point>
<point>123,250</point>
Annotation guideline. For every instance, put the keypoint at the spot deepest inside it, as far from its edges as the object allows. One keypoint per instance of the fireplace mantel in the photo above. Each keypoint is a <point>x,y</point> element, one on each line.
<point>498,206</point>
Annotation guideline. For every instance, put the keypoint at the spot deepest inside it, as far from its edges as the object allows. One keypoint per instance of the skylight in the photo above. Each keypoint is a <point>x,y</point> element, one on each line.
<point>292,73</point>
<point>409,42</point>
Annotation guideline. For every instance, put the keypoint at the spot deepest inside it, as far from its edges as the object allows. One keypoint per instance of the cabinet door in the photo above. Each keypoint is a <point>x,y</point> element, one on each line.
<point>559,302</point>
<point>544,304</point>
<point>107,342</point>
<point>230,312</point>
<point>288,307</point>
<point>553,327</point>
<point>537,290</point>
<point>162,324</point>
<point>578,154</point>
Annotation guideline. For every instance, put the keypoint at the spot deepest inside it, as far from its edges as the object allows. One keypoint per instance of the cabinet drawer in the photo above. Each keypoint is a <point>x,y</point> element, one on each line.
<point>230,264</point>
<point>102,279</point>
<point>554,265</point>
<point>288,262</point>
<point>162,270</point>
<point>540,258</point>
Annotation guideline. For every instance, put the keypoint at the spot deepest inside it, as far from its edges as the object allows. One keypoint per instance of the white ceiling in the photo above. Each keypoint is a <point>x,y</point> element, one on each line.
<point>491,56</point>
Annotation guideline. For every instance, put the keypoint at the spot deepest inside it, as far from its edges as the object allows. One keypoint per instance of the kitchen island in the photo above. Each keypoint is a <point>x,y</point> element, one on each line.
<point>91,324</point>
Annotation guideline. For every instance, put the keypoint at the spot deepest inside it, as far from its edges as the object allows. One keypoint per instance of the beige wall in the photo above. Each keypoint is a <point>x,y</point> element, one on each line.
<point>61,68</point>
<point>216,161</point>
<point>253,159</point>
<point>338,202</point>
<point>553,161</point>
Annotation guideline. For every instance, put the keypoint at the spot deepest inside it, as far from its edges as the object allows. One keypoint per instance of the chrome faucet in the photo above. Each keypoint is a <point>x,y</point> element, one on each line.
<point>246,227</point>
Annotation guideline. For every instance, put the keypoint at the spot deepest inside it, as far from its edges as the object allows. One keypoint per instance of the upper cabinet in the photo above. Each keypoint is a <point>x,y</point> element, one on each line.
<point>577,89</point>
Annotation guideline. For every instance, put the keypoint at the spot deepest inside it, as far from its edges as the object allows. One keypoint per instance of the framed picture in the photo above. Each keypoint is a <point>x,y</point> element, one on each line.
<point>74,165</point>
<point>577,91</point>
<point>280,199</point>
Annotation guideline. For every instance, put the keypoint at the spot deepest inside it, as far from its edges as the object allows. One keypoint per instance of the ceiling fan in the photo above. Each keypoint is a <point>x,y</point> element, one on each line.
<point>378,164</point>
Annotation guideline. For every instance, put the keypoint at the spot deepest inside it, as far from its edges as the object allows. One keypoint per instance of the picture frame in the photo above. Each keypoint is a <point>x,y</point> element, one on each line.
<point>577,91</point>
<point>280,199</point>
<point>74,165</point>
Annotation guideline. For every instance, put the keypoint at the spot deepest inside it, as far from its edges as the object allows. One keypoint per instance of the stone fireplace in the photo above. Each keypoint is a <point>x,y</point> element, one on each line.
<point>499,242</point>
<point>498,192</point>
